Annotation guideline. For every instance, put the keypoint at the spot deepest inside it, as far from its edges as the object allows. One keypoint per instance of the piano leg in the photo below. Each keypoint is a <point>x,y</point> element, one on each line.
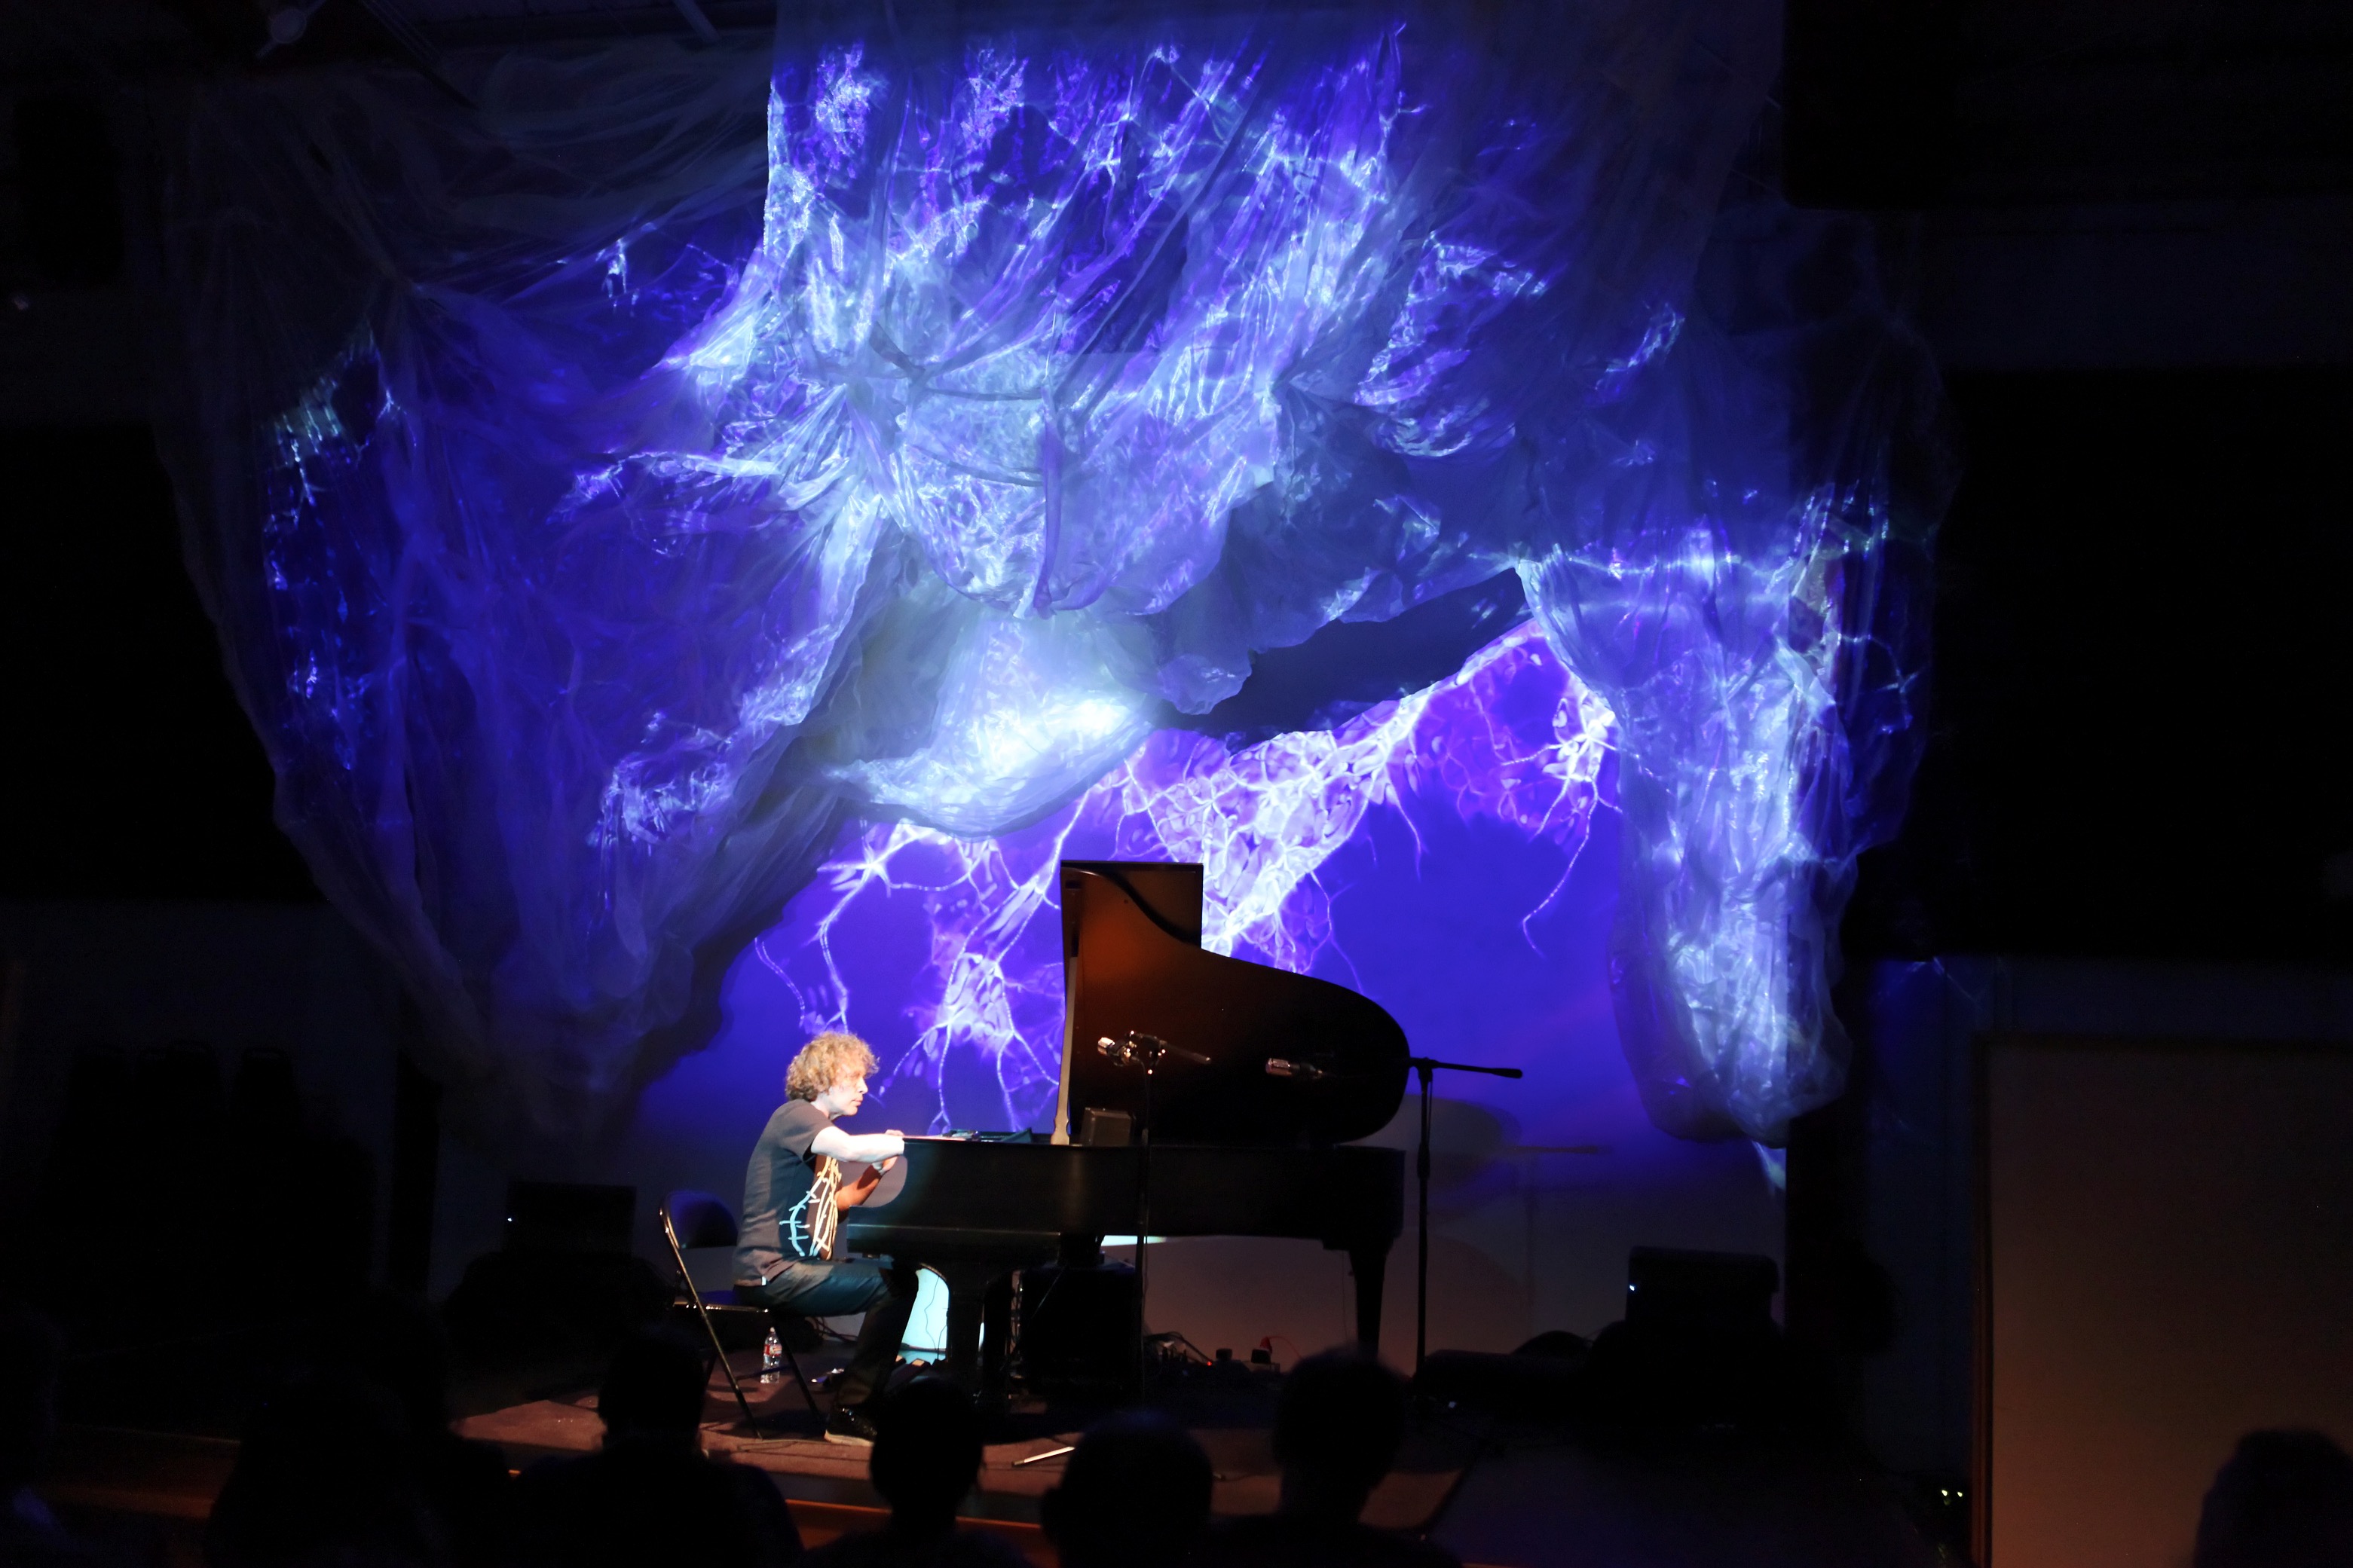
<point>964,1308</point>
<point>1368,1265</point>
<point>997,1340</point>
<point>979,1294</point>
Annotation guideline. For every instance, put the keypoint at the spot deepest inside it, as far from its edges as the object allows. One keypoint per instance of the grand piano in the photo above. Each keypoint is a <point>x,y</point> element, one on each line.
<point>1232,1148</point>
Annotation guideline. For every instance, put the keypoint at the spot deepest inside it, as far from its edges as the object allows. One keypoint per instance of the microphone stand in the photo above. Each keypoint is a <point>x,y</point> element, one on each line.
<point>1136,1049</point>
<point>1423,1067</point>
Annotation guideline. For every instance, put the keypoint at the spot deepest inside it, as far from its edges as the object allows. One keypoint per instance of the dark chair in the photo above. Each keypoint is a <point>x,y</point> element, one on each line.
<point>691,1220</point>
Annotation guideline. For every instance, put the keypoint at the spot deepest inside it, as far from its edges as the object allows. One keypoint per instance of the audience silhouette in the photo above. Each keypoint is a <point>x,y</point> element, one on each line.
<point>401,1347</point>
<point>1338,1428</point>
<point>650,1494</point>
<point>2283,1500</point>
<point>925,1456</point>
<point>31,1352</point>
<point>325,1476</point>
<point>1135,1494</point>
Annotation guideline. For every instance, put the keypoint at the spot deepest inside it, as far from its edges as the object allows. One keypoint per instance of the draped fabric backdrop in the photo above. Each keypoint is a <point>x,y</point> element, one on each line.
<point>610,488</point>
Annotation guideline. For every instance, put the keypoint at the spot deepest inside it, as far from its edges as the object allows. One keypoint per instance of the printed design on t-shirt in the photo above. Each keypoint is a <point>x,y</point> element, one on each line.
<point>797,1238</point>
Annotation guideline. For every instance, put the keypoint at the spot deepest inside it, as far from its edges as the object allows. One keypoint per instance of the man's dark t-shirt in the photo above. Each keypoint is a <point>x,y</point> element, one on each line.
<point>776,1193</point>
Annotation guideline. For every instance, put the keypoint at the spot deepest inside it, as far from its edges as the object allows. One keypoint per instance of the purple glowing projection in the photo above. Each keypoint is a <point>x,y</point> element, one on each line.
<point>690,451</point>
<point>946,952</point>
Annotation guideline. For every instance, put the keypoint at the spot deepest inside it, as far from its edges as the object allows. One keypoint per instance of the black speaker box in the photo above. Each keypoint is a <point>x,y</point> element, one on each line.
<point>569,1217</point>
<point>1524,1387</point>
<point>1712,1292</point>
<point>1077,1330</point>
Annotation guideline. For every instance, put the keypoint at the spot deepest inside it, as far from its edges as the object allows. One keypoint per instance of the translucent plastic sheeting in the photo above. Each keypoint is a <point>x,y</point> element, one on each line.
<point>1736,564</point>
<point>607,491</point>
<point>1509,742</point>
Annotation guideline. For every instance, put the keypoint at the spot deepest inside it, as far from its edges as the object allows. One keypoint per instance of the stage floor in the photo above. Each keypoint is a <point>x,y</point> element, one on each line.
<point>1492,1494</point>
<point>1233,1423</point>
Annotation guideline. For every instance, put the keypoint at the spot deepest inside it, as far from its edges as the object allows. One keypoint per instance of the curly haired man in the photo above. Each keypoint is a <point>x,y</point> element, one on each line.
<point>779,1262</point>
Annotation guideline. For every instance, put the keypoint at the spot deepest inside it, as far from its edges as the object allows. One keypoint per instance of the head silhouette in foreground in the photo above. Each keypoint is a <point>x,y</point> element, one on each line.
<point>1135,1494</point>
<point>926,1456</point>
<point>650,1494</point>
<point>31,1356</point>
<point>2283,1500</point>
<point>400,1345</point>
<point>1338,1429</point>
<point>323,1474</point>
<point>1337,1432</point>
<point>652,1390</point>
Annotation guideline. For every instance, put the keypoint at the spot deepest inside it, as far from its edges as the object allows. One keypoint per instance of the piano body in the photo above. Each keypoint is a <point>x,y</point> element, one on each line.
<point>1233,1149</point>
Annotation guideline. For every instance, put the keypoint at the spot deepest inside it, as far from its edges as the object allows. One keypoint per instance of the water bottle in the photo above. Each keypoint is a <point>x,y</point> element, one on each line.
<point>771,1356</point>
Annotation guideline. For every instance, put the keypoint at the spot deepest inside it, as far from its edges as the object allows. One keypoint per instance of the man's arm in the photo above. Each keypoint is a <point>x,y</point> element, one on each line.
<point>866,1149</point>
<point>858,1191</point>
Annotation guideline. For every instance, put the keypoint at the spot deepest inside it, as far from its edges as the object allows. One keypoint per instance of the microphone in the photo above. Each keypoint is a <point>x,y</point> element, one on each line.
<point>1283,1067</point>
<point>1139,1047</point>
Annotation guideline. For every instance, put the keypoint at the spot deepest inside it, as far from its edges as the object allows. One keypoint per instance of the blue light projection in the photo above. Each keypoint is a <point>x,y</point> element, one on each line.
<point>688,458</point>
<point>974,980</point>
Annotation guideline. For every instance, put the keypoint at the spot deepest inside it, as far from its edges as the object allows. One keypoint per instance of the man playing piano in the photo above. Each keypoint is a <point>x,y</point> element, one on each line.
<point>793,1191</point>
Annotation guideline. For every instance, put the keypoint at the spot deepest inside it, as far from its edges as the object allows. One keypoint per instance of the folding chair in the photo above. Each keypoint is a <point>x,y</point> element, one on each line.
<point>691,1220</point>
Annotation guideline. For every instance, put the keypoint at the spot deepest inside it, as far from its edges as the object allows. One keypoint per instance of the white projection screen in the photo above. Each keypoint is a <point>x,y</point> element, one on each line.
<point>2166,1236</point>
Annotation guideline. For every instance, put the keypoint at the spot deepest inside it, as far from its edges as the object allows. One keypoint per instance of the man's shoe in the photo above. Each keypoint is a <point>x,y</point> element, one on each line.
<point>849,1424</point>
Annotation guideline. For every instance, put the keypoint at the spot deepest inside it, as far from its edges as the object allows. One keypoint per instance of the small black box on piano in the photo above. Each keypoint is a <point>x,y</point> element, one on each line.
<point>1106,1129</point>
<point>1077,1330</point>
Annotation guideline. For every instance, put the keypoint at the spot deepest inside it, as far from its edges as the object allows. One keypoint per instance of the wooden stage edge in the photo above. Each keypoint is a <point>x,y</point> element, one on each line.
<point>175,1477</point>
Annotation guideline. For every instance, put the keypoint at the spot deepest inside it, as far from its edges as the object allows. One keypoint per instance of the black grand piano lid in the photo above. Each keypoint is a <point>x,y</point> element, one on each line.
<point>1132,960</point>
